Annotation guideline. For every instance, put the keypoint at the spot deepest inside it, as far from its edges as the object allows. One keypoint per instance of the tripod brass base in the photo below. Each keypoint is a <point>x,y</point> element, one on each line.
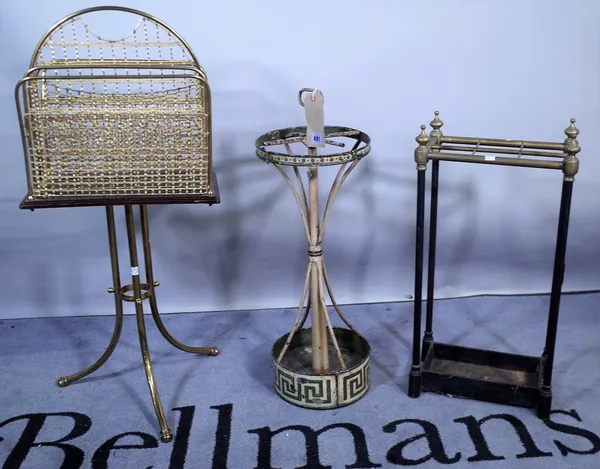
<point>139,292</point>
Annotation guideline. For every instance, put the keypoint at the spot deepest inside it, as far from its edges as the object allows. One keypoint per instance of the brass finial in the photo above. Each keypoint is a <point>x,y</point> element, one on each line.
<point>437,124</point>
<point>423,139</point>
<point>572,131</point>
<point>421,151</point>
<point>571,143</point>
<point>571,148</point>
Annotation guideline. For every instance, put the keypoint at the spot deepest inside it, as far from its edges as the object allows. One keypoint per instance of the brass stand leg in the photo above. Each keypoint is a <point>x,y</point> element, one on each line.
<point>165,432</point>
<point>212,351</point>
<point>136,292</point>
<point>114,260</point>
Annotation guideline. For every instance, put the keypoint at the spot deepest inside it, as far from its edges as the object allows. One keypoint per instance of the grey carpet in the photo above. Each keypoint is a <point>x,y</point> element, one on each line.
<point>223,409</point>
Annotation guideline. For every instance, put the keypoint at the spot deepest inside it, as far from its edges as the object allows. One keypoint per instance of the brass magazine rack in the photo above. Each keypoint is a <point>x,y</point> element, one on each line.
<point>111,121</point>
<point>487,375</point>
<point>322,366</point>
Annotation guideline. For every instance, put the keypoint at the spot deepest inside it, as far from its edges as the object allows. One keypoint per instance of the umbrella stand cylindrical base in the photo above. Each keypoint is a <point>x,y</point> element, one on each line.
<point>296,382</point>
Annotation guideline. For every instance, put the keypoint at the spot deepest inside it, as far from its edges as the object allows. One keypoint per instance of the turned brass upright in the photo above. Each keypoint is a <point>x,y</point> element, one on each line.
<point>118,122</point>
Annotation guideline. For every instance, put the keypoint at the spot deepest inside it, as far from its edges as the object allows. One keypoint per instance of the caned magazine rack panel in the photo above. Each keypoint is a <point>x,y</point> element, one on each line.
<point>107,119</point>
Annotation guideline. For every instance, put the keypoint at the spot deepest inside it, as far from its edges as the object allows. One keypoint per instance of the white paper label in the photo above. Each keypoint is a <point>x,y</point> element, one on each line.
<point>135,271</point>
<point>315,120</point>
<point>490,158</point>
<point>316,139</point>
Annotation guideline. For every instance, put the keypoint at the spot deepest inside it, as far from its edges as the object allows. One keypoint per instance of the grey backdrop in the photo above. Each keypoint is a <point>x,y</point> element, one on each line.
<point>510,69</point>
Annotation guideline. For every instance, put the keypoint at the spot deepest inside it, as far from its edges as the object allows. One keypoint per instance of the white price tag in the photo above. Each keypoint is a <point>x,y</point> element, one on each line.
<point>135,271</point>
<point>490,158</point>
<point>315,120</point>
<point>316,139</point>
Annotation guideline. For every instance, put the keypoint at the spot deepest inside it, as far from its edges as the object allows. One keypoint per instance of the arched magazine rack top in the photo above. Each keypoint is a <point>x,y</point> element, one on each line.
<point>115,108</point>
<point>73,38</point>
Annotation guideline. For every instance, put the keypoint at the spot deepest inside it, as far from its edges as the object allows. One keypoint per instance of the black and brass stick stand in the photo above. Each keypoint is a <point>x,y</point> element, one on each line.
<point>118,122</point>
<point>321,367</point>
<point>486,375</point>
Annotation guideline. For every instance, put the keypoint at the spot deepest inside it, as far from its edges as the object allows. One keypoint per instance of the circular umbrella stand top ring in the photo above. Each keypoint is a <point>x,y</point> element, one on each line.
<point>321,366</point>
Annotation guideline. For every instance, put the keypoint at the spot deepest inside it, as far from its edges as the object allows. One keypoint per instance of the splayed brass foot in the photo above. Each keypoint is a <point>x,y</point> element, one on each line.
<point>63,382</point>
<point>166,436</point>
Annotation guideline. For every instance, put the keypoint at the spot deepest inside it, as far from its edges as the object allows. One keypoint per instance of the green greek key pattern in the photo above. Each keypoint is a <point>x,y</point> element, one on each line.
<point>285,384</point>
<point>354,384</point>
<point>312,391</point>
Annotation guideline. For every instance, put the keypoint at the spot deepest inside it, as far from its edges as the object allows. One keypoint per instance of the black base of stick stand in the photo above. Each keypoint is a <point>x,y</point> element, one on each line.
<point>486,375</point>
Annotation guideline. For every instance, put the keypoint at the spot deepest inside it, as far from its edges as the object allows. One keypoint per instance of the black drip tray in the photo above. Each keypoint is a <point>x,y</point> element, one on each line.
<point>483,375</point>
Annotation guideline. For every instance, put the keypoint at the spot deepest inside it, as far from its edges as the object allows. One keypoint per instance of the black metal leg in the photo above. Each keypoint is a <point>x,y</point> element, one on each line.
<point>557,281</point>
<point>428,337</point>
<point>415,378</point>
